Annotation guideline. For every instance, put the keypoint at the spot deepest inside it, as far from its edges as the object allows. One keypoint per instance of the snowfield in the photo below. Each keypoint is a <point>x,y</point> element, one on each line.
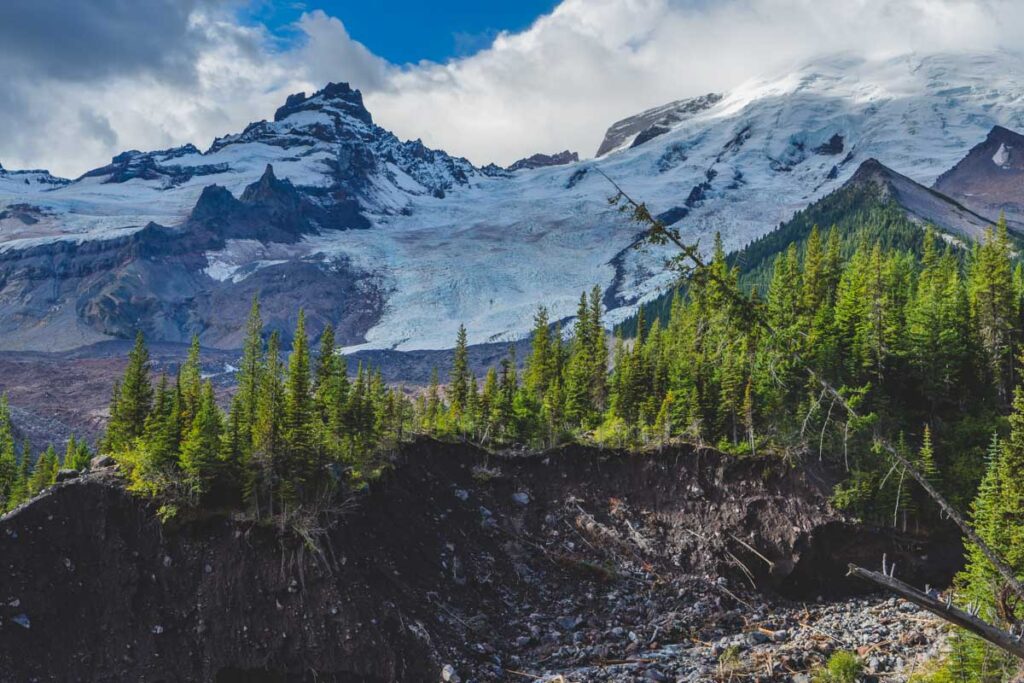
<point>452,244</point>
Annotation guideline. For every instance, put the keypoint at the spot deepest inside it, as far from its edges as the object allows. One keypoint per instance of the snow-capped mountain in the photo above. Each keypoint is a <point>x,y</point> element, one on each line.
<point>401,243</point>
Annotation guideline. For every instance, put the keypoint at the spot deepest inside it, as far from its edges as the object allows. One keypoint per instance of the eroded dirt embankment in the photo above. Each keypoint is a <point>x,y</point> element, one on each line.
<point>485,563</point>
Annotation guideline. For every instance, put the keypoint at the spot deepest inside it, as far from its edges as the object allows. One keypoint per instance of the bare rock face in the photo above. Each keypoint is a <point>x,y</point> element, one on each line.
<point>542,160</point>
<point>649,124</point>
<point>455,562</point>
<point>157,279</point>
<point>990,179</point>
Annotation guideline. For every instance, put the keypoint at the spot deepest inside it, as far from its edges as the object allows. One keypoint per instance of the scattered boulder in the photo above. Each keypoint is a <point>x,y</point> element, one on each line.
<point>67,475</point>
<point>100,462</point>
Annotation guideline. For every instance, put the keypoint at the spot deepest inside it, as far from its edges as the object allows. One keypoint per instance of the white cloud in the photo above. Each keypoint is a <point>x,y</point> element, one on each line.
<point>556,85</point>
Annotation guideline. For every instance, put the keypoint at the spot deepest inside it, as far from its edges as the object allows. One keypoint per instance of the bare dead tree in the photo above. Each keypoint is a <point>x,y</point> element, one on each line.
<point>945,609</point>
<point>692,265</point>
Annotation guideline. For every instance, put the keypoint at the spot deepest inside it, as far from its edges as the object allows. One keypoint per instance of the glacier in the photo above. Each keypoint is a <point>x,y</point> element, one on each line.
<point>450,243</point>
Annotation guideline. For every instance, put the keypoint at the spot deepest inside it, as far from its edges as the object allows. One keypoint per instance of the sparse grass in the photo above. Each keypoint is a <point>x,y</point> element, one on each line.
<point>730,663</point>
<point>842,667</point>
<point>484,474</point>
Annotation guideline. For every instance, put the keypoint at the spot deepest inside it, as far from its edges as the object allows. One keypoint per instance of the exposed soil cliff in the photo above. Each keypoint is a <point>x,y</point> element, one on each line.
<point>454,558</point>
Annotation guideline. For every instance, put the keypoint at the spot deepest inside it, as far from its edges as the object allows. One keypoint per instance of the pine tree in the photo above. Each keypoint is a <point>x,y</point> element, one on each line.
<point>77,454</point>
<point>19,492</point>
<point>994,306</point>
<point>246,400</point>
<point>488,405</point>
<point>458,380</point>
<point>200,450</point>
<point>162,432</point>
<point>504,404</point>
<point>8,461</point>
<point>540,364</point>
<point>45,471</point>
<point>598,354</point>
<point>132,401</point>
<point>190,387</point>
<point>302,455</point>
<point>581,389</point>
<point>268,429</point>
<point>432,417</point>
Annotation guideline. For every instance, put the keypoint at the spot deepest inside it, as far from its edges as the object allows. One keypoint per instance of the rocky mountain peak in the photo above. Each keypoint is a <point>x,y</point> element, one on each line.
<point>651,123</point>
<point>870,170</point>
<point>922,204</point>
<point>990,179</point>
<point>269,189</point>
<point>339,96</point>
<point>542,160</point>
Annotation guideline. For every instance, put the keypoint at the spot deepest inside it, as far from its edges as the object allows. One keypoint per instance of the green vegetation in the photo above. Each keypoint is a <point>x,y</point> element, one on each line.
<point>858,214</point>
<point>924,346</point>
<point>294,432</point>
<point>21,475</point>
<point>842,667</point>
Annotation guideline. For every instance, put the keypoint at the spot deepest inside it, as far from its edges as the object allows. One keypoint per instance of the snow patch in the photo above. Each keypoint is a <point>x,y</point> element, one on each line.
<point>1002,156</point>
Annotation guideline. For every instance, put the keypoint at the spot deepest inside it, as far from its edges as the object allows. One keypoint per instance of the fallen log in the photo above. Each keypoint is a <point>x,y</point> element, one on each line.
<point>944,610</point>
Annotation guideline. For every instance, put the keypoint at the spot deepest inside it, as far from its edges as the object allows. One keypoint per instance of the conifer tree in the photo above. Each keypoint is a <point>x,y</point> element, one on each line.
<point>19,492</point>
<point>200,450</point>
<point>45,471</point>
<point>459,379</point>
<point>993,302</point>
<point>540,364</point>
<point>8,461</point>
<point>190,387</point>
<point>488,405</point>
<point>580,385</point>
<point>132,401</point>
<point>268,431</point>
<point>302,455</point>
<point>598,355</point>
<point>77,454</point>
<point>432,417</point>
<point>246,400</point>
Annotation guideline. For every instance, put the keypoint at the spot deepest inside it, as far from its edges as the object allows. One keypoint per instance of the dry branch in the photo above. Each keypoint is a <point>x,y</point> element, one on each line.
<point>944,610</point>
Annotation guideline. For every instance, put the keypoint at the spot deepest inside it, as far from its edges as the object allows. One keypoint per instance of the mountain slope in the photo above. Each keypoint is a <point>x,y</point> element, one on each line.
<point>876,205</point>
<point>990,179</point>
<point>447,243</point>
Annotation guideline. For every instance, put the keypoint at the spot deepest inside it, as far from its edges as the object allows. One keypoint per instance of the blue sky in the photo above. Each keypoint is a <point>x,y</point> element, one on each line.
<point>88,79</point>
<point>407,31</point>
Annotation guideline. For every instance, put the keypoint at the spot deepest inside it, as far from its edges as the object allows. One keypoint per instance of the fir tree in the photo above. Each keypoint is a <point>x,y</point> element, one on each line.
<point>132,401</point>
<point>459,379</point>
<point>200,450</point>
<point>993,302</point>
<point>302,455</point>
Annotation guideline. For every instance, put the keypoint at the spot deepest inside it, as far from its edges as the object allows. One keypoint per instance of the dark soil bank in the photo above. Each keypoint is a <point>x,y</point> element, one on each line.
<point>442,562</point>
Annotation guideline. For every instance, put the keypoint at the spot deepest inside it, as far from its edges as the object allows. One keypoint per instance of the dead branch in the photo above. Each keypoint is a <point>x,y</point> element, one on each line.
<point>944,610</point>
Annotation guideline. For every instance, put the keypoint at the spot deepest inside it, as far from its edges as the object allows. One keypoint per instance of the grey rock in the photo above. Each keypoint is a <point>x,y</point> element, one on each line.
<point>449,675</point>
<point>67,475</point>
<point>101,461</point>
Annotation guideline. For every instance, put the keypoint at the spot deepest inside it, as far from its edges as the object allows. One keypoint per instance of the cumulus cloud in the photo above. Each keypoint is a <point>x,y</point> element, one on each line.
<point>100,78</point>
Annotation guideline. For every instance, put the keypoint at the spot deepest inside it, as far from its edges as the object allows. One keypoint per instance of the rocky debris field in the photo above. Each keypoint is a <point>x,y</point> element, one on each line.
<point>704,634</point>
<point>459,565</point>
